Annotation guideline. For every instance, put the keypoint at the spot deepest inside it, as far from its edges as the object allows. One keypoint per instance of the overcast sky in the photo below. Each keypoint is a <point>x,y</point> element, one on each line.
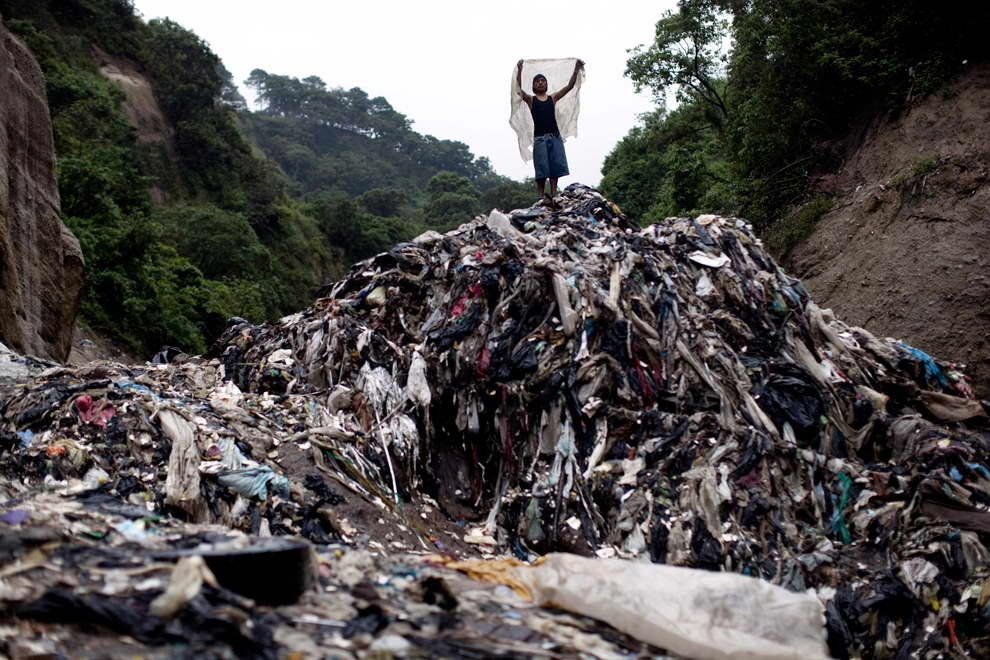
<point>444,64</point>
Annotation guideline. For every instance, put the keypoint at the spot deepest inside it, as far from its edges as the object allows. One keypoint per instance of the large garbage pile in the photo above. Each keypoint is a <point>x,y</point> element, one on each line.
<point>546,380</point>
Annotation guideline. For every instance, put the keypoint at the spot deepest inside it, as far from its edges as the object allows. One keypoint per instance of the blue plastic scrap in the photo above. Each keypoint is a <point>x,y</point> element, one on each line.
<point>25,437</point>
<point>932,369</point>
<point>255,482</point>
<point>979,468</point>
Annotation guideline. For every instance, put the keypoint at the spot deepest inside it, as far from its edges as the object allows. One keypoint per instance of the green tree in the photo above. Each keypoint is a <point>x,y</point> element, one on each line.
<point>357,233</point>
<point>686,56</point>
<point>336,216</point>
<point>449,182</point>
<point>450,209</point>
<point>188,75</point>
<point>383,202</point>
<point>508,195</point>
<point>359,143</point>
<point>672,164</point>
<point>145,266</point>
<point>800,73</point>
<point>219,243</point>
<point>453,199</point>
<point>229,94</point>
<point>195,93</point>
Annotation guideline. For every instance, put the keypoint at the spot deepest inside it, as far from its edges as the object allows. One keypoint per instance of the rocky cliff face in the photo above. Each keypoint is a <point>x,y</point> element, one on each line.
<point>41,265</point>
<point>143,113</point>
<point>905,250</point>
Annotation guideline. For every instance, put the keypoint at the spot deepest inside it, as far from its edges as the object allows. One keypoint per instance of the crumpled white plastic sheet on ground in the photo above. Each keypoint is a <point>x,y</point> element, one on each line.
<point>695,613</point>
<point>558,73</point>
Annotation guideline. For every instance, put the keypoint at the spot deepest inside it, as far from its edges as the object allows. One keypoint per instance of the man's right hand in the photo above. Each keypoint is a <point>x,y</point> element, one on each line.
<point>519,65</point>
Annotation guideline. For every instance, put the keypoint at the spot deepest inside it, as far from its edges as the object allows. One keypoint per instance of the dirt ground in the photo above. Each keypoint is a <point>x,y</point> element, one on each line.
<point>424,526</point>
<point>88,346</point>
<point>141,108</point>
<point>905,250</point>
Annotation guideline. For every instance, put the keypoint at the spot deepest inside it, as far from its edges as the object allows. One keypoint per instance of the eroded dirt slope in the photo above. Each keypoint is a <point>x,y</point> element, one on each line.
<point>141,108</point>
<point>905,250</point>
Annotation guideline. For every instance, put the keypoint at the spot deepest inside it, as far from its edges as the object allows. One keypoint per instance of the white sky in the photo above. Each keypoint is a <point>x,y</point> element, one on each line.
<point>444,64</point>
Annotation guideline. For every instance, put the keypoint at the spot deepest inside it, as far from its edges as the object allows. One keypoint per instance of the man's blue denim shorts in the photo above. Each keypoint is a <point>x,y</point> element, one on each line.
<point>549,157</point>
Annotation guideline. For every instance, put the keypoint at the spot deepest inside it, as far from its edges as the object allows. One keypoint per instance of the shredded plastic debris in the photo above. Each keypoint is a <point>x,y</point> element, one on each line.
<point>527,383</point>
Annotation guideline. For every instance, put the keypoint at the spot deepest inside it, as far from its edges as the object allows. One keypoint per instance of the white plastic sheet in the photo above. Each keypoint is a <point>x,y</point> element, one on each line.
<point>182,478</point>
<point>695,613</point>
<point>418,382</point>
<point>558,73</point>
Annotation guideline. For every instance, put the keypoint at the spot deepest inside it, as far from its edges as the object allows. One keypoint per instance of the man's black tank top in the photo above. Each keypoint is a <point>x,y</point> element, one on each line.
<point>544,117</point>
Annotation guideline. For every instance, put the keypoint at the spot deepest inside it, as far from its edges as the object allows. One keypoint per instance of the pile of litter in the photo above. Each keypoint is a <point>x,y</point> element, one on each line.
<point>102,556</point>
<point>528,383</point>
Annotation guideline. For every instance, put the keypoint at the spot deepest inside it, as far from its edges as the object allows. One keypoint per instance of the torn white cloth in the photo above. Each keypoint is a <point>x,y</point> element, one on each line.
<point>558,73</point>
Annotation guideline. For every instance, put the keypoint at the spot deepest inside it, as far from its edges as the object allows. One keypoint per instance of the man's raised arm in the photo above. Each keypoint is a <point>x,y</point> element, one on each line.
<point>525,97</point>
<point>570,83</point>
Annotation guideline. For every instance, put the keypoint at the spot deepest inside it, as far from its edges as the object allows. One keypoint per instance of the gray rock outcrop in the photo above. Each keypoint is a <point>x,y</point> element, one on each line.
<point>41,265</point>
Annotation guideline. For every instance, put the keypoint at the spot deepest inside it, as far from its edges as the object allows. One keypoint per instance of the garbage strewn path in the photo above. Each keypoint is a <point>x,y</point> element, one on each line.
<point>371,476</point>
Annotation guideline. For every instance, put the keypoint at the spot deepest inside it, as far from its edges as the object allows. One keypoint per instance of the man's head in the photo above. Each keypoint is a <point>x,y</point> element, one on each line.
<point>539,84</point>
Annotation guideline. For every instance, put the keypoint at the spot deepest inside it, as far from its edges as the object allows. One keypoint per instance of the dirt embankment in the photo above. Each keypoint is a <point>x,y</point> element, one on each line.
<point>89,345</point>
<point>141,109</point>
<point>905,249</point>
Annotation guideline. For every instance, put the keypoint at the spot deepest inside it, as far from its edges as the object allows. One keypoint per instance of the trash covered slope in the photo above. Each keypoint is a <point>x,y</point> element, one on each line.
<point>118,553</point>
<point>557,380</point>
<point>573,383</point>
<point>154,510</point>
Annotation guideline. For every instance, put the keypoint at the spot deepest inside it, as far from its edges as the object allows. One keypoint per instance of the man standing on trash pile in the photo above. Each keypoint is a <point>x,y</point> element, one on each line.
<point>549,158</point>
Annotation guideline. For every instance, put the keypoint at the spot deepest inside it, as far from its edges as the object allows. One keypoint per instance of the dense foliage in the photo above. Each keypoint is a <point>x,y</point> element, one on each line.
<point>232,232</point>
<point>368,178</point>
<point>754,120</point>
<point>336,140</point>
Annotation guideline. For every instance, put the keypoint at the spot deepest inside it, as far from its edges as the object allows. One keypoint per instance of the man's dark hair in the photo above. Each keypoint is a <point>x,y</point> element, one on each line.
<point>538,76</point>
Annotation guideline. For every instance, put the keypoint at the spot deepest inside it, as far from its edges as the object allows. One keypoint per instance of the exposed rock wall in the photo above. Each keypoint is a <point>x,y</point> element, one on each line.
<point>905,250</point>
<point>41,265</point>
<point>154,133</point>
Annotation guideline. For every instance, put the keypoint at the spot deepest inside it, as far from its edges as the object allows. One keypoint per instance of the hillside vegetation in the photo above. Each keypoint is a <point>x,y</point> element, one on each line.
<point>252,211</point>
<point>755,121</point>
